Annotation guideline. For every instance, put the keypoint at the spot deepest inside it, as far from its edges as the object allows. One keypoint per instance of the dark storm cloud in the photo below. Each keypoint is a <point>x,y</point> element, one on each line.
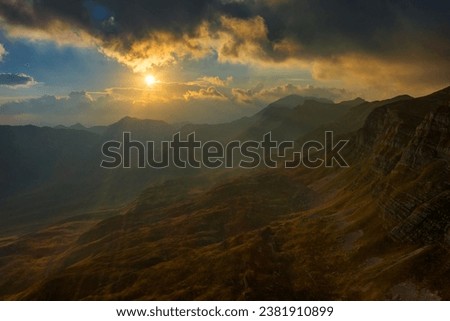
<point>16,80</point>
<point>306,28</point>
<point>330,27</point>
<point>133,17</point>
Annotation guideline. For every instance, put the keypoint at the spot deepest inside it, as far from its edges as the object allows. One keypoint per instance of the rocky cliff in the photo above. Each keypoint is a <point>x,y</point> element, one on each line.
<point>407,145</point>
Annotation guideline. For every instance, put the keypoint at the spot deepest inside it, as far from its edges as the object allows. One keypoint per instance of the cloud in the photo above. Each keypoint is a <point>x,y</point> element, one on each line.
<point>374,78</point>
<point>207,81</point>
<point>216,81</point>
<point>208,93</point>
<point>104,108</point>
<point>307,91</point>
<point>260,95</point>
<point>75,102</point>
<point>323,35</point>
<point>245,40</point>
<point>52,110</point>
<point>2,52</point>
<point>247,96</point>
<point>16,80</point>
<point>273,30</point>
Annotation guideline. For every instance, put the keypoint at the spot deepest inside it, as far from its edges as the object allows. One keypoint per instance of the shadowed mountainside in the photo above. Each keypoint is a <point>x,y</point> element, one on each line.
<point>48,173</point>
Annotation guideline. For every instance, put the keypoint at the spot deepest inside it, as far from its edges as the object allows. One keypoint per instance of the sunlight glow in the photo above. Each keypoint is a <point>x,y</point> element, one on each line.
<point>150,80</point>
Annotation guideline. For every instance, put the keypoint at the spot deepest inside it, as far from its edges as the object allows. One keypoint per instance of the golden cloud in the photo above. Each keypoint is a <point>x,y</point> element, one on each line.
<point>261,95</point>
<point>157,49</point>
<point>2,52</point>
<point>376,78</point>
<point>246,41</point>
<point>205,93</point>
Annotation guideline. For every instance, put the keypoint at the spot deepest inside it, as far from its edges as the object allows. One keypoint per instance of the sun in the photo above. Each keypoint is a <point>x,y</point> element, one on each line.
<point>150,80</point>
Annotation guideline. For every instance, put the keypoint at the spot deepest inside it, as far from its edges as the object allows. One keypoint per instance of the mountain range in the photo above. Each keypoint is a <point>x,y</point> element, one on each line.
<point>377,230</point>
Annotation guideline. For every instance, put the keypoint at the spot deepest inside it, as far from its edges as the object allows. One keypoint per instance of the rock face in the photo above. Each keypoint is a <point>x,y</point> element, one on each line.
<point>408,147</point>
<point>431,139</point>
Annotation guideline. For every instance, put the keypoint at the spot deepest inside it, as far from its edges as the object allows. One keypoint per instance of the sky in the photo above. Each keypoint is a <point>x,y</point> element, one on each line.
<point>63,62</point>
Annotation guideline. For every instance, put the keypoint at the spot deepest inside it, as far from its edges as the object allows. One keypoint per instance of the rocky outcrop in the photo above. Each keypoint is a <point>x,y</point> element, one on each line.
<point>431,139</point>
<point>407,145</point>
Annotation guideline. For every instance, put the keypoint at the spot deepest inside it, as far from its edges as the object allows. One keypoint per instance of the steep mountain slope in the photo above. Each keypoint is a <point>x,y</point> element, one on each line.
<point>414,194</point>
<point>376,230</point>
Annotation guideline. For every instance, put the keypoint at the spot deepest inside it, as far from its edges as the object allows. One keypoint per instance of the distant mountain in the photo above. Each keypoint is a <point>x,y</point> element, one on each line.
<point>286,123</point>
<point>287,118</point>
<point>378,230</point>
<point>352,120</point>
<point>32,156</point>
<point>293,101</point>
<point>77,126</point>
<point>94,129</point>
<point>353,103</point>
<point>49,173</point>
<point>44,173</point>
<point>141,129</point>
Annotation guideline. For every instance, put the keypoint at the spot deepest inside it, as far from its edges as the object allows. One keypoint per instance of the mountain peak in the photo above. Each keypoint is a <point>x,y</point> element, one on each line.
<point>292,101</point>
<point>357,100</point>
<point>352,103</point>
<point>402,97</point>
<point>141,128</point>
<point>128,120</point>
<point>77,126</point>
